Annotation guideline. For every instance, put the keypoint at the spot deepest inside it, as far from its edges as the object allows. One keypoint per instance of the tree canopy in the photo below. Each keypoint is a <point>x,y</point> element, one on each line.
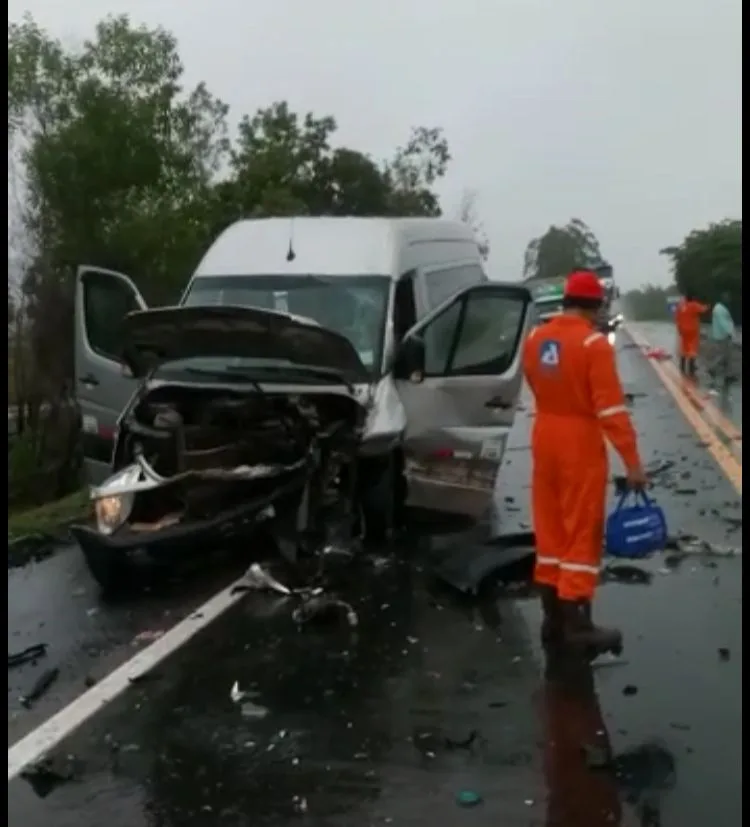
<point>560,250</point>
<point>708,264</point>
<point>648,303</point>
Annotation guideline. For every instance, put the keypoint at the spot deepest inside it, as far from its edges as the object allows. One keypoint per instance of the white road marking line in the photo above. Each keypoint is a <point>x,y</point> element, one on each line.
<point>38,742</point>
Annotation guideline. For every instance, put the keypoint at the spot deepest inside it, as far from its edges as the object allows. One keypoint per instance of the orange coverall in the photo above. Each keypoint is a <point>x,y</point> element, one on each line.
<point>579,400</point>
<point>688,320</point>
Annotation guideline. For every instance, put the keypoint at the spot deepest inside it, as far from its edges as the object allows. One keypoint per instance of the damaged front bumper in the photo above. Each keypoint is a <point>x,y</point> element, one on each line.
<point>113,542</point>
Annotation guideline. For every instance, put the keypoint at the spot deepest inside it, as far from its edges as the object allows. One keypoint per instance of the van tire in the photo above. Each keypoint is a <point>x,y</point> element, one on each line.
<point>380,499</point>
<point>114,577</point>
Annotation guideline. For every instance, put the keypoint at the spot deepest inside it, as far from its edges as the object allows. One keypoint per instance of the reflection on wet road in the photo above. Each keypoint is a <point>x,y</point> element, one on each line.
<point>437,710</point>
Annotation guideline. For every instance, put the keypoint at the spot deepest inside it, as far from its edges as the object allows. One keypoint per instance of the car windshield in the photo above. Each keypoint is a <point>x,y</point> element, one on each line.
<point>354,306</point>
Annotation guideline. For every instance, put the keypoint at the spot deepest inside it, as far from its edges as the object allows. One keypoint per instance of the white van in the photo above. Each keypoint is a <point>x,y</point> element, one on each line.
<point>436,343</point>
<point>396,270</point>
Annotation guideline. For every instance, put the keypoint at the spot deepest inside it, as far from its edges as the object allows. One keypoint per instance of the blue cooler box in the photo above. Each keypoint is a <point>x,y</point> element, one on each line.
<point>637,530</point>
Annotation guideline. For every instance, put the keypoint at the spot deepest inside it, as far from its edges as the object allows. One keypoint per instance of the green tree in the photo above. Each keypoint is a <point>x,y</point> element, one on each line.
<point>648,303</point>
<point>560,250</point>
<point>414,170</point>
<point>708,264</point>
<point>467,212</point>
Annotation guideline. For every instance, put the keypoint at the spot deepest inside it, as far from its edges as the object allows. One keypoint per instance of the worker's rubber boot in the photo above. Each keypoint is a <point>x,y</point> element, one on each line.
<point>552,616</point>
<point>580,633</point>
<point>683,365</point>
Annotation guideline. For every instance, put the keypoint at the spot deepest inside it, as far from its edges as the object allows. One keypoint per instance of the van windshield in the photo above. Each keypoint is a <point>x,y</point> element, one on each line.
<point>354,306</point>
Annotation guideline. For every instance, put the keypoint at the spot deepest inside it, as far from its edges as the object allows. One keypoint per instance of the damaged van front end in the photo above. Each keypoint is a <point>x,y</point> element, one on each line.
<point>217,442</point>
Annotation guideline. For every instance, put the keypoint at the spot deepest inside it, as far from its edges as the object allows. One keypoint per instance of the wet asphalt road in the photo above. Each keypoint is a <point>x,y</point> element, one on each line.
<point>664,336</point>
<point>365,727</point>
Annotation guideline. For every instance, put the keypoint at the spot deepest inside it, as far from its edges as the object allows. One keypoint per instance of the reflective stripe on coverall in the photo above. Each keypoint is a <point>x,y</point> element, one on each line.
<point>572,373</point>
<point>688,320</point>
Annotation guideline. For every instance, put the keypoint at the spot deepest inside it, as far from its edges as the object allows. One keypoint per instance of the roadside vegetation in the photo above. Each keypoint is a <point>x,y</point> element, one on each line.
<point>47,518</point>
<point>707,263</point>
<point>561,249</point>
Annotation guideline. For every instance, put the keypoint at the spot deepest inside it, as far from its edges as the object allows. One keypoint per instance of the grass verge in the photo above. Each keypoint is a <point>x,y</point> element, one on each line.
<point>50,516</point>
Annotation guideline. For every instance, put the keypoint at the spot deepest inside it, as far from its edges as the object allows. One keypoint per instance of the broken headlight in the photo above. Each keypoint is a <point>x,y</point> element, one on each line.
<point>113,509</point>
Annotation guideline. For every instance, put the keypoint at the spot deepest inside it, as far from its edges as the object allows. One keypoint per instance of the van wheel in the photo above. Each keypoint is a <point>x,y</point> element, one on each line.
<point>382,490</point>
<point>114,577</point>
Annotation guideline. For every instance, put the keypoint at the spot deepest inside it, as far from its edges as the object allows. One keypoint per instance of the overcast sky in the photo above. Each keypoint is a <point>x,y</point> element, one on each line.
<point>625,114</point>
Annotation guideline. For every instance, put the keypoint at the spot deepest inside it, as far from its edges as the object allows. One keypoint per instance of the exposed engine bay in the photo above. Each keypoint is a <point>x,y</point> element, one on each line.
<point>192,454</point>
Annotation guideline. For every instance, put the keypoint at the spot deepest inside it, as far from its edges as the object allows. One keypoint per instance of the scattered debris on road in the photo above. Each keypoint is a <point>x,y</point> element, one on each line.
<point>40,686</point>
<point>50,773</point>
<point>256,577</point>
<point>148,636</point>
<point>627,574</point>
<point>324,608</point>
<point>28,655</point>
<point>236,694</point>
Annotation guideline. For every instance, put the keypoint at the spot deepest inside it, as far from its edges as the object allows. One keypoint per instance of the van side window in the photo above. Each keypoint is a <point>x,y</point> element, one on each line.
<point>404,306</point>
<point>446,282</point>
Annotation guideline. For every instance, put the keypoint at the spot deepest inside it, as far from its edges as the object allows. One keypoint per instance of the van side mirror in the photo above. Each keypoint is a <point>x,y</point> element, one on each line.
<point>409,361</point>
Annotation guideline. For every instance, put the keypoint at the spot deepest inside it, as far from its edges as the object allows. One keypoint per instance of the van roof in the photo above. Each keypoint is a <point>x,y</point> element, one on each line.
<point>334,246</point>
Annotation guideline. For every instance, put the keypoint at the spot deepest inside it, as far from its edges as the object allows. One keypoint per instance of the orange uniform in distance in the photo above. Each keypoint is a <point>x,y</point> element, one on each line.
<point>688,320</point>
<point>572,372</point>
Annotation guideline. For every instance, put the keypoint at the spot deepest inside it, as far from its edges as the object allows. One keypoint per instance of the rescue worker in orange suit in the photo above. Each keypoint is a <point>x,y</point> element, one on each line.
<point>688,320</point>
<point>571,370</point>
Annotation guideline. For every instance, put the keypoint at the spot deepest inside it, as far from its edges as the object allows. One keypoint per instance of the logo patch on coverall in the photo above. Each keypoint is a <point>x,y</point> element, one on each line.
<point>549,353</point>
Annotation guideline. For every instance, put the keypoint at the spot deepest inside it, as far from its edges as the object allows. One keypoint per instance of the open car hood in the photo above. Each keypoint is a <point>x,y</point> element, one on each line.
<point>153,337</point>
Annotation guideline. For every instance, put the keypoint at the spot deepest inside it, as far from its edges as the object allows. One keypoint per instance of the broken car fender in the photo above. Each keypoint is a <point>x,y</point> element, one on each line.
<point>385,422</point>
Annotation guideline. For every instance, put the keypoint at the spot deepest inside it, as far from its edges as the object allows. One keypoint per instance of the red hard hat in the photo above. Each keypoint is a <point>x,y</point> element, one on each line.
<point>583,284</point>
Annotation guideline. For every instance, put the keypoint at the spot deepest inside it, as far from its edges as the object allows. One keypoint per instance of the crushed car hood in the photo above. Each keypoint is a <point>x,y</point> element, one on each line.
<point>166,334</point>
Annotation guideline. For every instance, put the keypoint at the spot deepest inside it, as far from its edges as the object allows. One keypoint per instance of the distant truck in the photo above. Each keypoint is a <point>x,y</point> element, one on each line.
<point>548,297</point>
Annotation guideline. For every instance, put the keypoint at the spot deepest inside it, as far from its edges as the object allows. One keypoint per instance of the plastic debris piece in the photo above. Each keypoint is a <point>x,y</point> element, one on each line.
<point>49,773</point>
<point>236,694</point>
<point>320,607</point>
<point>627,574</point>
<point>608,659</point>
<point>468,798</point>
<point>30,653</point>
<point>148,636</point>
<point>299,802</point>
<point>596,757</point>
<point>256,577</point>
<point>40,687</point>
<point>253,710</point>
<point>336,550</point>
<point>463,743</point>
